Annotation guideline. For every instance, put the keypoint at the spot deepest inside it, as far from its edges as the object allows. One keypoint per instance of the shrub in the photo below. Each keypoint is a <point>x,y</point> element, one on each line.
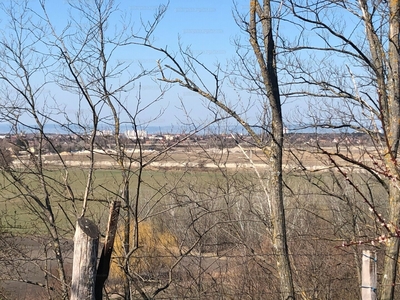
<point>154,256</point>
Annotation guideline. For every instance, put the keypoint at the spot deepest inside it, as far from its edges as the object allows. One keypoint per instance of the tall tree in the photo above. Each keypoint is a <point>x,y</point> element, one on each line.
<point>351,68</point>
<point>258,26</point>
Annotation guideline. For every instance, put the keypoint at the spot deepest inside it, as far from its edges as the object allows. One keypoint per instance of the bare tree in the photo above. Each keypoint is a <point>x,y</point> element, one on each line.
<point>258,26</point>
<point>79,61</point>
<point>351,68</point>
<point>20,96</point>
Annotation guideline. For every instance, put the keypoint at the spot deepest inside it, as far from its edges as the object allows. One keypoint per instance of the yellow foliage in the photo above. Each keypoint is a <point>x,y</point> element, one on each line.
<point>155,253</point>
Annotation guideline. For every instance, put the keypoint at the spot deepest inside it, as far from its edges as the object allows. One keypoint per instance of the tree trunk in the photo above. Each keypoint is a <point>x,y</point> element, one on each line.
<point>266,58</point>
<point>392,248</point>
<point>392,133</point>
<point>86,243</point>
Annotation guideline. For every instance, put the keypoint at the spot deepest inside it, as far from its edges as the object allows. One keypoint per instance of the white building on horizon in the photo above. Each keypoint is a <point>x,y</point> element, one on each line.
<point>135,134</point>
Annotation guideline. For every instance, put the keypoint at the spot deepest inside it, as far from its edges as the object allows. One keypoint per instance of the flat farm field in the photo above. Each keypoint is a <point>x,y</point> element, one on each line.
<point>233,158</point>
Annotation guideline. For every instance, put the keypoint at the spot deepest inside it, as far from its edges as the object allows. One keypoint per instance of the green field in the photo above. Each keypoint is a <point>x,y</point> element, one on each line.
<point>223,213</point>
<point>19,212</point>
<point>159,190</point>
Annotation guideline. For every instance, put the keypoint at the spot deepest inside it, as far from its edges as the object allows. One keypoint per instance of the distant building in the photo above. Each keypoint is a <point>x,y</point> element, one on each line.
<point>136,134</point>
<point>168,137</point>
<point>104,132</point>
<point>158,137</point>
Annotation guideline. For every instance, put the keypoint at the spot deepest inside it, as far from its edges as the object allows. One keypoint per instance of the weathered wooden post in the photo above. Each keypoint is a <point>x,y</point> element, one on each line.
<point>368,275</point>
<point>86,244</point>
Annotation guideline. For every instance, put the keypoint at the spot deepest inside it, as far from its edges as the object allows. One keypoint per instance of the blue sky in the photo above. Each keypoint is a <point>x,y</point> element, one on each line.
<point>206,27</point>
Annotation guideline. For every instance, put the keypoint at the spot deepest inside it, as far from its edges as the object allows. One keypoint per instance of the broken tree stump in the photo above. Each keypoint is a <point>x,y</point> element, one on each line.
<point>105,259</point>
<point>86,244</point>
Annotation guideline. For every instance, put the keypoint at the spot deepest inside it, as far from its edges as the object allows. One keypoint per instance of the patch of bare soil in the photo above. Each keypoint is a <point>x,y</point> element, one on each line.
<point>213,157</point>
<point>25,261</point>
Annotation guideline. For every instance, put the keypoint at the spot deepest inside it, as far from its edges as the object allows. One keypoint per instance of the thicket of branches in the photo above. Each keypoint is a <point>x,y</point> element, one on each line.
<point>292,226</point>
